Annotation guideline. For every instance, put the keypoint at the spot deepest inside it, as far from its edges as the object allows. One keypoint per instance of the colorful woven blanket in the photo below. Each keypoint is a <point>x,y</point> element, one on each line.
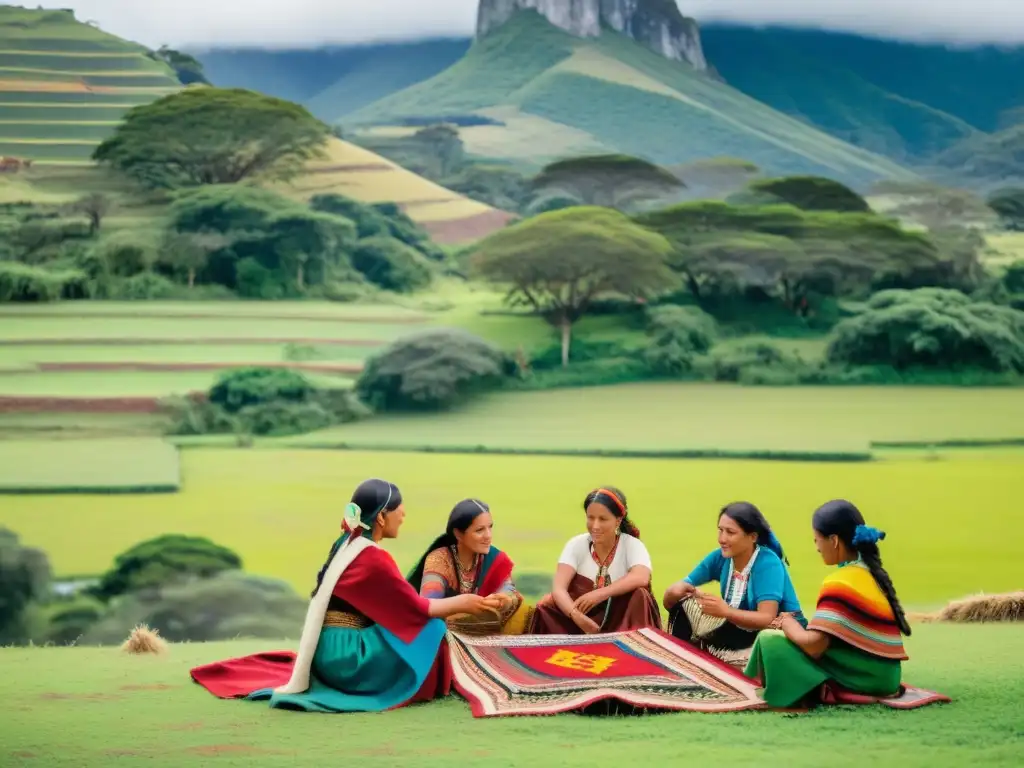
<point>643,669</point>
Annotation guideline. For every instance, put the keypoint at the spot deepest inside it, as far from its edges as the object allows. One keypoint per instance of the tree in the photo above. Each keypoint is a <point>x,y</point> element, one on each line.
<point>24,580</point>
<point>934,206</point>
<point>558,262</point>
<point>813,193</point>
<point>213,136</point>
<point>430,371</point>
<point>443,144</point>
<point>95,206</point>
<point>188,69</point>
<point>715,176</point>
<point>612,181</point>
<point>155,563</point>
<point>391,264</point>
<point>1008,203</point>
<point>190,251</point>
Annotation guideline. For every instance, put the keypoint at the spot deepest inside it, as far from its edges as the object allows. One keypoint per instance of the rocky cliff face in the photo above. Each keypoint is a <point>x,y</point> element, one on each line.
<point>657,24</point>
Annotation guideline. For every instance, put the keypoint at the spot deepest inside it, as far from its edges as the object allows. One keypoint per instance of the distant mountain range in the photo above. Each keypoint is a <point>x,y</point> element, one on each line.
<point>916,105</point>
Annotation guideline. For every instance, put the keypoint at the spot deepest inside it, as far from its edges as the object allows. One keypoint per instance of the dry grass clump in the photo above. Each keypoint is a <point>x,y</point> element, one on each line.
<point>144,640</point>
<point>978,608</point>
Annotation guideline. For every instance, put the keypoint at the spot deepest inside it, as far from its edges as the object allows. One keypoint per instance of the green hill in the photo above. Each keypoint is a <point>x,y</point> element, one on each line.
<point>64,85</point>
<point>551,93</point>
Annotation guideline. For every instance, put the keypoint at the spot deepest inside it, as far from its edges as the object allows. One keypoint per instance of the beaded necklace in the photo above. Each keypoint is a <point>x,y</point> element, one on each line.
<point>737,582</point>
<point>603,578</point>
<point>466,576</point>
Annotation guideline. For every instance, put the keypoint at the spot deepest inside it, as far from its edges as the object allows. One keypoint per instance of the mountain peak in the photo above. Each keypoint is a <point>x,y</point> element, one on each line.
<point>656,24</point>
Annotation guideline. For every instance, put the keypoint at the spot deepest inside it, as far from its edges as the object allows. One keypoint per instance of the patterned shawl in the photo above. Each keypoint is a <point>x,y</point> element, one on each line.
<point>852,608</point>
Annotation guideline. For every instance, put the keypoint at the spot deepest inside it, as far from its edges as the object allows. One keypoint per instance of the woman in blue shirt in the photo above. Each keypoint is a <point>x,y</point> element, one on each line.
<point>754,584</point>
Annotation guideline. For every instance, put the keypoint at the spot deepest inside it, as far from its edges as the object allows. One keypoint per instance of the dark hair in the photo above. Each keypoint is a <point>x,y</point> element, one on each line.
<point>841,518</point>
<point>614,501</point>
<point>372,496</point>
<point>751,520</point>
<point>461,517</point>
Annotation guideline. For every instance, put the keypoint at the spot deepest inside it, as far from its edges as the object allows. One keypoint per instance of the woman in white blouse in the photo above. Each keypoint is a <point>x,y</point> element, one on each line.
<point>603,580</point>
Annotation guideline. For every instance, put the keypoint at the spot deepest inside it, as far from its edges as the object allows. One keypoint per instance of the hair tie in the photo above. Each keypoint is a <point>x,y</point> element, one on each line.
<point>351,518</point>
<point>865,534</point>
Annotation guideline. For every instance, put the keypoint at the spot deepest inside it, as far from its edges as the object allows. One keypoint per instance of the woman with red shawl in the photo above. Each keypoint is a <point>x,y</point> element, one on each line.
<point>370,642</point>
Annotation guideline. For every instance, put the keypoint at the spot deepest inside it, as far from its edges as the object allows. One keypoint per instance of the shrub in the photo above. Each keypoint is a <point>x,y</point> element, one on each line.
<point>71,618</point>
<point>678,335</point>
<point>390,264</point>
<point>192,416</point>
<point>28,284</point>
<point>931,329</point>
<point>163,560</point>
<point>756,363</point>
<point>142,286</point>
<point>431,370</point>
<point>243,387</point>
<point>283,418</point>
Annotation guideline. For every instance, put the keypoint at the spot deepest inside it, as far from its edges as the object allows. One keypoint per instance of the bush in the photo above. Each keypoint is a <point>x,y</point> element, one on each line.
<point>678,335</point>
<point>583,350</point>
<point>430,371</point>
<point>390,264</point>
<point>145,285</point>
<point>192,416</point>
<point>280,418</point>
<point>931,329</point>
<point>243,387</point>
<point>592,373</point>
<point>24,283</point>
<point>225,606</point>
<point>71,618</point>
<point>757,363</point>
<point>158,562</point>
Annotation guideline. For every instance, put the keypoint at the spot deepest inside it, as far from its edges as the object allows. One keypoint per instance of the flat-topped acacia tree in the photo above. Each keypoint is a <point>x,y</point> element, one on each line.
<point>206,135</point>
<point>614,181</point>
<point>558,262</point>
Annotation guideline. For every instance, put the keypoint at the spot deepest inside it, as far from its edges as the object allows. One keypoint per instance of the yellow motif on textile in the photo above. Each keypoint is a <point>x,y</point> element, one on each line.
<point>585,662</point>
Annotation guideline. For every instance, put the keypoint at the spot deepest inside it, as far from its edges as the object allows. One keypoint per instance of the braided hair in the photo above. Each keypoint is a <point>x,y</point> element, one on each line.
<point>462,516</point>
<point>372,497</point>
<point>841,518</point>
<point>614,501</point>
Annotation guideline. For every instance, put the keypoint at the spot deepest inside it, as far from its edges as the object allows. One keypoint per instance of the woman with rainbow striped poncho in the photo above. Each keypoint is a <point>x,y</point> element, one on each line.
<point>854,640</point>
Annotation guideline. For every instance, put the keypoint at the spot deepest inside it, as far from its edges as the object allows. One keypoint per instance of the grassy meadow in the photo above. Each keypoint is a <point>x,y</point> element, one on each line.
<point>280,510</point>
<point>94,707</point>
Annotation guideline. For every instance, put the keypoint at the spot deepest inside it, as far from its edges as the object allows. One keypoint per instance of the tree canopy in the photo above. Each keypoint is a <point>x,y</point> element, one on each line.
<point>613,181</point>
<point>213,136</point>
<point>558,262</point>
<point>1008,203</point>
<point>813,193</point>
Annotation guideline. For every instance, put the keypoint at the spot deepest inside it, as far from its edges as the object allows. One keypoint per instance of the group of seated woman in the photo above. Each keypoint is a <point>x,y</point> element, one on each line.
<point>374,640</point>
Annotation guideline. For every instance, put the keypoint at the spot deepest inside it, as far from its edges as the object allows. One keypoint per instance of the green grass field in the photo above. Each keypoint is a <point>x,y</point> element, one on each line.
<point>670,416</point>
<point>105,466</point>
<point>96,707</point>
<point>280,510</point>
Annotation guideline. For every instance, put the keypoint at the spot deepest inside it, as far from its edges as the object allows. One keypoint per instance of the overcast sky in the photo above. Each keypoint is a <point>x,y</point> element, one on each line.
<point>299,23</point>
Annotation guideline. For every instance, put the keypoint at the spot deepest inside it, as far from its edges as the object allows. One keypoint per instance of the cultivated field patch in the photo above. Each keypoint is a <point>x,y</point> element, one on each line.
<point>137,465</point>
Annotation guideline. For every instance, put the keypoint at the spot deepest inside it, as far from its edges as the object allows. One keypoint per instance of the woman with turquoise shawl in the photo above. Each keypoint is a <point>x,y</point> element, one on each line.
<point>369,643</point>
<point>463,560</point>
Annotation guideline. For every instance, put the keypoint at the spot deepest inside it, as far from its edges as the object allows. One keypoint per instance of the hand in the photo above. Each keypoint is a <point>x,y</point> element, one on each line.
<point>786,621</point>
<point>584,622</point>
<point>676,594</point>
<point>713,605</point>
<point>585,603</point>
<point>475,604</point>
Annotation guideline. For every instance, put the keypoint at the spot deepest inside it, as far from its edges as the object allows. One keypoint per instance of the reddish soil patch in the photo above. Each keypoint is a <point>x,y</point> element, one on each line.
<point>213,750</point>
<point>427,201</point>
<point>23,755</point>
<point>80,404</point>
<point>470,228</point>
<point>130,366</point>
<point>210,341</point>
<point>152,687</point>
<point>140,314</point>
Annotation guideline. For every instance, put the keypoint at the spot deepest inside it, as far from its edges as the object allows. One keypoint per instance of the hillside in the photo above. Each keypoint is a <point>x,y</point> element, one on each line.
<point>615,94</point>
<point>903,100</point>
<point>64,85</point>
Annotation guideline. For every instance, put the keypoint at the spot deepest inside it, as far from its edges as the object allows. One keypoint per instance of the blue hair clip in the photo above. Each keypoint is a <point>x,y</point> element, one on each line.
<point>865,534</point>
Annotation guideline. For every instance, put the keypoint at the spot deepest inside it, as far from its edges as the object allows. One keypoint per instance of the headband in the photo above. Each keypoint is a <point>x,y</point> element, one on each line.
<point>613,497</point>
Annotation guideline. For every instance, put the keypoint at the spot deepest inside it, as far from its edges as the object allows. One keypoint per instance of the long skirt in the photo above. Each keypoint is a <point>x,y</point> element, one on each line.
<point>788,675</point>
<point>353,670</point>
<point>634,610</point>
<point>720,638</point>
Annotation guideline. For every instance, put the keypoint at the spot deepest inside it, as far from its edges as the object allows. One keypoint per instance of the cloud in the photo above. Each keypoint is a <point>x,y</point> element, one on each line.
<point>304,23</point>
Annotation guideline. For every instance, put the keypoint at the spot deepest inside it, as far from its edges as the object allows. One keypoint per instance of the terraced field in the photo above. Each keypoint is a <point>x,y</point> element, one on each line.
<point>64,85</point>
<point>123,357</point>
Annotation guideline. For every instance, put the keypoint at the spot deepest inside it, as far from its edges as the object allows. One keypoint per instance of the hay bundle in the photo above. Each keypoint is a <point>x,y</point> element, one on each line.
<point>978,608</point>
<point>144,640</point>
